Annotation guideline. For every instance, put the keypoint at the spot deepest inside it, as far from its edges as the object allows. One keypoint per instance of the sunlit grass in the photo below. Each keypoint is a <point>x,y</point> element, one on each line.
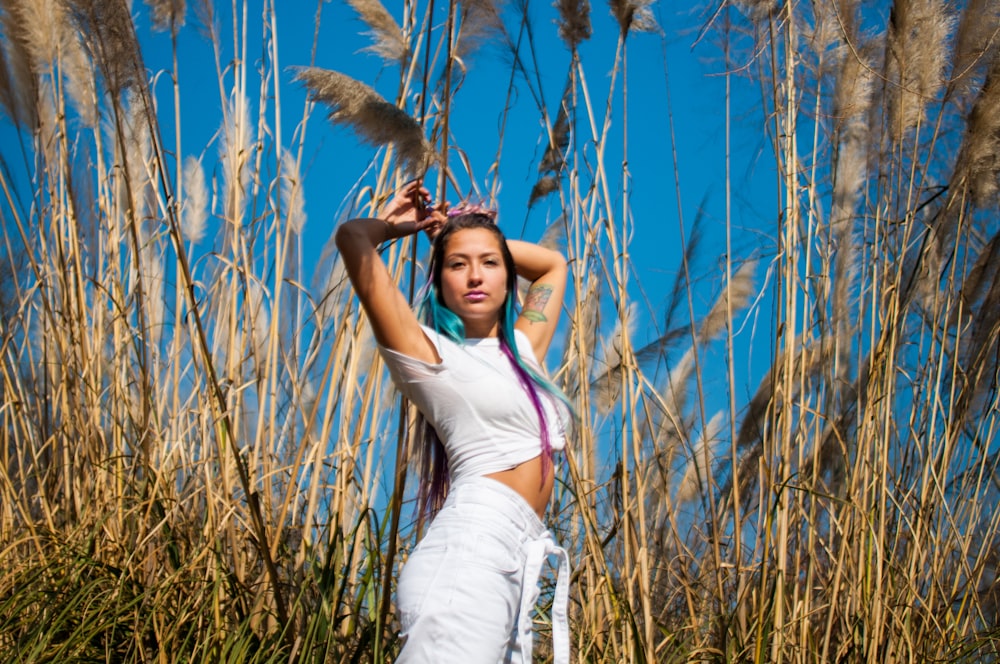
<point>200,445</point>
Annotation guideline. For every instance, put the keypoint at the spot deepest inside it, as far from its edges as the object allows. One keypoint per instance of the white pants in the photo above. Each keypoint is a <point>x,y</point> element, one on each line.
<point>467,592</point>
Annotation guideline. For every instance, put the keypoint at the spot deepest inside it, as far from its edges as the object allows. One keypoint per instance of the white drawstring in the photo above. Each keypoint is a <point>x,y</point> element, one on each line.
<point>536,551</point>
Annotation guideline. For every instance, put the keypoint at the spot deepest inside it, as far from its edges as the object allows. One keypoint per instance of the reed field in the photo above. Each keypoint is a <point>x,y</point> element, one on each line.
<point>203,459</point>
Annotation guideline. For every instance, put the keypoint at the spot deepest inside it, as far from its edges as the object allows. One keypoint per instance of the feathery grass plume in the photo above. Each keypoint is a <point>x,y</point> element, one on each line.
<point>981,349</point>
<point>40,21</point>
<point>852,99</point>
<point>854,80</point>
<point>610,360</point>
<point>375,120</point>
<point>698,469</point>
<point>738,293</point>
<point>825,28</point>
<point>139,156</point>
<point>167,14</point>
<point>329,287</point>
<point>236,152</point>
<point>21,88</point>
<point>916,58</point>
<point>581,336</point>
<point>574,21</point>
<point>977,281</point>
<point>926,267</point>
<point>978,163</point>
<point>292,193</point>
<point>6,89</point>
<point>78,73</point>
<point>673,426</point>
<point>204,13</point>
<point>554,159</point>
<point>979,297</point>
<point>258,319</point>
<point>554,235</point>
<point>106,26</point>
<point>153,283</point>
<point>387,37</point>
<point>634,15</point>
<point>542,188</point>
<point>47,118</point>
<point>480,24</point>
<point>194,209</point>
<point>975,42</point>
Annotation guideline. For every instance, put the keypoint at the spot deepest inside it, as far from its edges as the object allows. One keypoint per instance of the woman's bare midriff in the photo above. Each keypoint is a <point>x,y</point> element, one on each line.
<point>526,479</point>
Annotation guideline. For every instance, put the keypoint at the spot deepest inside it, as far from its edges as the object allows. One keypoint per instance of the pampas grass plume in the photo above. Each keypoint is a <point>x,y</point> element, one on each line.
<point>634,15</point>
<point>167,14</point>
<point>79,77</point>
<point>39,20</point>
<point>739,292</point>
<point>235,149</point>
<point>19,91</point>
<point>609,385</point>
<point>976,30</point>
<point>918,45</point>
<point>480,21</point>
<point>292,193</point>
<point>194,211</point>
<point>574,21</point>
<point>978,159</point>
<point>375,120</point>
<point>698,467</point>
<point>387,37</point>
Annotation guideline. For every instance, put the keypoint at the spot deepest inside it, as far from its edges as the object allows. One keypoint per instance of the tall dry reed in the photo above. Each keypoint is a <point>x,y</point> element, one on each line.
<point>203,459</point>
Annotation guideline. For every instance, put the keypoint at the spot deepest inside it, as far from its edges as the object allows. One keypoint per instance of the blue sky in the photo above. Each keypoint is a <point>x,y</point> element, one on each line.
<point>658,64</point>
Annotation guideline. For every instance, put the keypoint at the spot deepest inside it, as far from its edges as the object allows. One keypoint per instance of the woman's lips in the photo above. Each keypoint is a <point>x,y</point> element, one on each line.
<point>475,296</point>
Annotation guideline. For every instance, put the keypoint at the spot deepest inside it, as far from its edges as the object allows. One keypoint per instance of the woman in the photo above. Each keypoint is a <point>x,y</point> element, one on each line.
<point>473,370</point>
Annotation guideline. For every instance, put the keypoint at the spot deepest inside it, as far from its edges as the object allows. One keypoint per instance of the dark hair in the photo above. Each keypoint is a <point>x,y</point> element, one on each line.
<point>435,314</point>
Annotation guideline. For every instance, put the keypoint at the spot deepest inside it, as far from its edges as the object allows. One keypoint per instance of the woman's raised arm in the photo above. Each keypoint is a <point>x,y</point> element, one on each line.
<point>546,270</point>
<point>392,319</point>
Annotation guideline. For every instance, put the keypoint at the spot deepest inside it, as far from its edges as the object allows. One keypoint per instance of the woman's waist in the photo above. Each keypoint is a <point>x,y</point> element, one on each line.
<point>497,496</point>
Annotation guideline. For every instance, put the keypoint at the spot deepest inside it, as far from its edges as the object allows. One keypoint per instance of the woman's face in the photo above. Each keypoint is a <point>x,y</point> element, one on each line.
<point>474,280</point>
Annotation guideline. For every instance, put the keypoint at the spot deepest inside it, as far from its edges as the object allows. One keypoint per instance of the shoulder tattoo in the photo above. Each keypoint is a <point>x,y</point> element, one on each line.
<point>534,303</point>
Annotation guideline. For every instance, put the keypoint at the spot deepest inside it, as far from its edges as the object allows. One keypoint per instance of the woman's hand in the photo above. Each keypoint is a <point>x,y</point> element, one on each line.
<point>408,212</point>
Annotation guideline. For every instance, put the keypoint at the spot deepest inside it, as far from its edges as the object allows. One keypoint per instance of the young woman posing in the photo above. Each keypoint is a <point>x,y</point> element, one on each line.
<point>490,423</point>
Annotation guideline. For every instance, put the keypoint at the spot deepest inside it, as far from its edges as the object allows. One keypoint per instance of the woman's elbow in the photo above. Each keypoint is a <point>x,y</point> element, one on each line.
<point>348,234</point>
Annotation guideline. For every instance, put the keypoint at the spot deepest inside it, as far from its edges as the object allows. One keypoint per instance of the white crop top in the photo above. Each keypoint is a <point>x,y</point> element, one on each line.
<point>473,399</point>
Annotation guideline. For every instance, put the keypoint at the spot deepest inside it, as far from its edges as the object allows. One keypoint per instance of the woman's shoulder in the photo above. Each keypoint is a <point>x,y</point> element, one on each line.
<point>402,364</point>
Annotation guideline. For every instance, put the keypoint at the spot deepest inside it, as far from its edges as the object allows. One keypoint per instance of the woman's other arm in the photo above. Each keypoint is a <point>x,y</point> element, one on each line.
<point>546,270</point>
<point>393,322</point>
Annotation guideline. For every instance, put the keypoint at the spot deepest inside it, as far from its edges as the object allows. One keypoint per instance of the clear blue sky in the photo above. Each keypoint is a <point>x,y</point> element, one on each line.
<point>335,159</point>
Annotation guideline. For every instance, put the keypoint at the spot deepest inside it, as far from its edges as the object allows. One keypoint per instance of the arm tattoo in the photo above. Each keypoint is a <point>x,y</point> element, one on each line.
<point>534,303</point>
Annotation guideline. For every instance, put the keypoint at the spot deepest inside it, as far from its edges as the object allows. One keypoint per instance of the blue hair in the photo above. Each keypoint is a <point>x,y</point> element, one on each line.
<point>437,316</point>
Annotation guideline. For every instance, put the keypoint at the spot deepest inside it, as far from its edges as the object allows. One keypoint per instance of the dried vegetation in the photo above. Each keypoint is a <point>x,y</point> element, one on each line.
<point>197,434</point>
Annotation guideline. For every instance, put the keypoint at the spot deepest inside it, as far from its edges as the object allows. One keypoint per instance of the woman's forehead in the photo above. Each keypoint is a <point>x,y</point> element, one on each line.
<point>472,241</point>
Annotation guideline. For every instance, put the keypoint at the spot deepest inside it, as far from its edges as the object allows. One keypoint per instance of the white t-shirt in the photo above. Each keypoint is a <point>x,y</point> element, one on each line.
<point>473,399</point>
